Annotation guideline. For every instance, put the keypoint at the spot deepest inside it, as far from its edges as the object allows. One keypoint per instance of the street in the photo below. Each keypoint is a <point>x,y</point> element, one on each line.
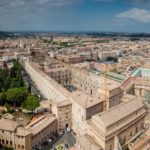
<point>68,139</point>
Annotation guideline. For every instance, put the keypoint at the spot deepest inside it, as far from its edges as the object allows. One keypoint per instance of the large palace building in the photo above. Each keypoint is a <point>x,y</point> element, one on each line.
<point>100,111</point>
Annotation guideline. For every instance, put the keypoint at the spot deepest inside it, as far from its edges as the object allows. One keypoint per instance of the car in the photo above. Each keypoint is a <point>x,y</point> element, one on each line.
<point>74,133</point>
<point>66,145</point>
<point>60,147</point>
<point>53,138</point>
<point>45,143</point>
<point>60,133</point>
<point>68,129</point>
<point>37,148</point>
<point>49,140</point>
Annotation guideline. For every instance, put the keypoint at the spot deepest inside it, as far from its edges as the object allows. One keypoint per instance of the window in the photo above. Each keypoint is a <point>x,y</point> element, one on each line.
<point>110,148</point>
<point>131,134</point>
<point>124,139</point>
<point>3,141</point>
<point>142,126</point>
<point>7,142</point>
<point>91,91</point>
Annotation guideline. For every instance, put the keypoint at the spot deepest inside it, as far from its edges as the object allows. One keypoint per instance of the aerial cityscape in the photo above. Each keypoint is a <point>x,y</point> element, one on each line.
<point>75,75</point>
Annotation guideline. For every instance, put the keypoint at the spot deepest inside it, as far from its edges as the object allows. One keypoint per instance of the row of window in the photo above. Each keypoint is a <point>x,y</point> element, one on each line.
<point>126,127</point>
<point>10,143</point>
<point>6,142</point>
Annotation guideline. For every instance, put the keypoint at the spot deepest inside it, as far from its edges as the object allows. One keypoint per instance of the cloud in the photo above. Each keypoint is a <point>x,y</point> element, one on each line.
<point>5,4</point>
<point>103,0</point>
<point>9,3</point>
<point>140,15</point>
<point>140,1</point>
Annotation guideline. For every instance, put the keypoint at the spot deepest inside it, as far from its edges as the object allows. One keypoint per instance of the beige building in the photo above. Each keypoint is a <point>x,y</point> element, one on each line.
<point>136,86</point>
<point>26,138</point>
<point>54,92</point>
<point>94,85</point>
<point>126,121</point>
<point>141,86</point>
<point>123,119</point>
<point>85,142</point>
<point>105,54</point>
<point>86,106</point>
<point>70,58</point>
<point>61,75</point>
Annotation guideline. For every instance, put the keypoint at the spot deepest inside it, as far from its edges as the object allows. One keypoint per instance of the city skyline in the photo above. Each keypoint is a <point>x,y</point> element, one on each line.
<point>75,15</point>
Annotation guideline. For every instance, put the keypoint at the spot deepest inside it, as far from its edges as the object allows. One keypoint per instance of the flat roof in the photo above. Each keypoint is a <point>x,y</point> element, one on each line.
<point>88,143</point>
<point>119,112</point>
<point>7,124</point>
<point>116,77</point>
<point>85,100</point>
<point>137,71</point>
<point>62,92</point>
<point>40,123</point>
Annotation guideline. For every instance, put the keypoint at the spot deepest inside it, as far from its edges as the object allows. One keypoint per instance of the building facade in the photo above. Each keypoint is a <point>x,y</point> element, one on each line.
<point>28,137</point>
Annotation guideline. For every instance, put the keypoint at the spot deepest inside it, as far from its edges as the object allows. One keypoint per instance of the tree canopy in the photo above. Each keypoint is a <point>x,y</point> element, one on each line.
<point>31,103</point>
<point>16,95</point>
<point>11,78</point>
<point>13,91</point>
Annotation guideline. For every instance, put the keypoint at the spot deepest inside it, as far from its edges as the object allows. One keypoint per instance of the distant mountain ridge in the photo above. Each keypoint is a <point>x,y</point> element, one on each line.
<point>4,34</point>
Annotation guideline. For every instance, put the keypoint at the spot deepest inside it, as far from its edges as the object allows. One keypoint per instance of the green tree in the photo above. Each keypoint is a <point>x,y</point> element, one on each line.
<point>110,58</point>
<point>2,98</point>
<point>31,103</point>
<point>6,84</point>
<point>16,95</point>
<point>1,88</point>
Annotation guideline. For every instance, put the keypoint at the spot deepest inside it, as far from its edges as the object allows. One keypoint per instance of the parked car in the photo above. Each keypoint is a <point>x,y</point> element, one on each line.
<point>49,140</point>
<point>37,148</point>
<point>60,133</point>
<point>45,143</point>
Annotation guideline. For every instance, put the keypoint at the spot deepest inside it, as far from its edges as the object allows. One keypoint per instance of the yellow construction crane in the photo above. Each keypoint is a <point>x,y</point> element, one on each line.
<point>106,90</point>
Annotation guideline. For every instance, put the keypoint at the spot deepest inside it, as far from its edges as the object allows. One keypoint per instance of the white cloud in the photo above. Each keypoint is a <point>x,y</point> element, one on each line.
<point>55,2</point>
<point>103,0</point>
<point>5,4</point>
<point>17,3</point>
<point>141,15</point>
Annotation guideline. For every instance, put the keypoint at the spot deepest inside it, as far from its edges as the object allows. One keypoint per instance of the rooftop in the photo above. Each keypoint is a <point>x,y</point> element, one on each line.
<point>40,123</point>
<point>138,72</point>
<point>62,92</point>
<point>88,143</point>
<point>116,77</point>
<point>85,100</point>
<point>119,112</point>
<point>8,125</point>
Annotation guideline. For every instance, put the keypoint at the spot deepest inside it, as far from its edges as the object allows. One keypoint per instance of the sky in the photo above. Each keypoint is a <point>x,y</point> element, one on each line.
<point>75,15</point>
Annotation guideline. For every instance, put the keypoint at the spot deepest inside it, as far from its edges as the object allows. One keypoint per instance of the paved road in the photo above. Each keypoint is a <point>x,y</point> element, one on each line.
<point>68,138</point>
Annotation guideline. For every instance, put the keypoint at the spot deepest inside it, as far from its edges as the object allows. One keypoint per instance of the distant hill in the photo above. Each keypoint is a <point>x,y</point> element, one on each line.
<point>4,34</point>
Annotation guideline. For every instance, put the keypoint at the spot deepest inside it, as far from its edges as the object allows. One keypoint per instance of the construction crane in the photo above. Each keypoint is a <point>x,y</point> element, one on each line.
<point>106,90</point>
